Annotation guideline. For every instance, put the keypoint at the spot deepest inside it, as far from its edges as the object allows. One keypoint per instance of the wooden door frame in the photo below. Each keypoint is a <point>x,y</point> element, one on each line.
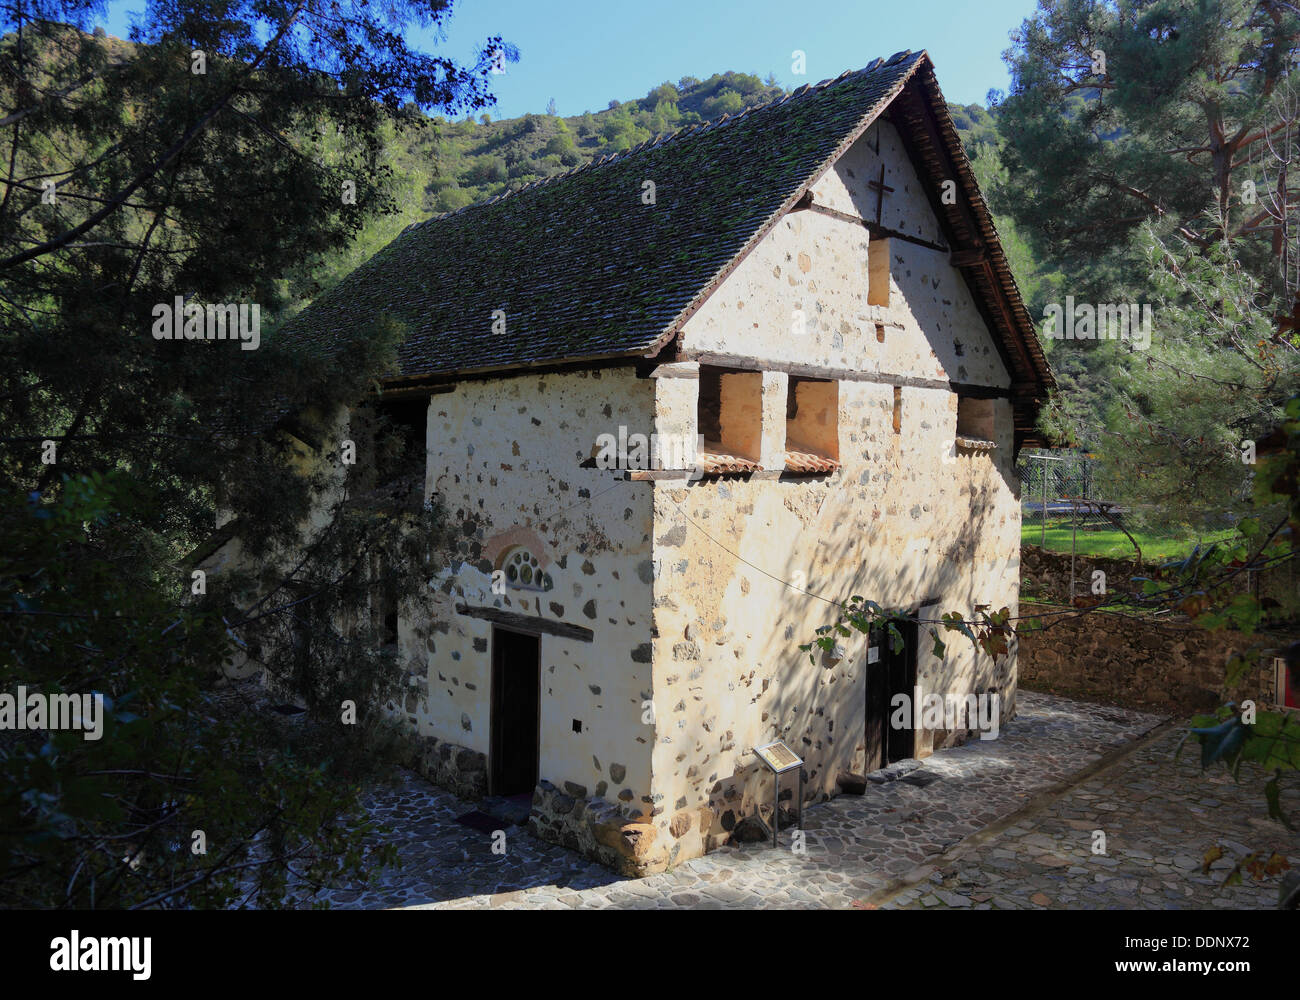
<point>912,653</point>
<point>493,698</point>
<point>882,664</point>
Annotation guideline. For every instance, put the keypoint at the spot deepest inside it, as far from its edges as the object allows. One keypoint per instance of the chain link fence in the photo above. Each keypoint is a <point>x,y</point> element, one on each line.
<point>1062,489</point>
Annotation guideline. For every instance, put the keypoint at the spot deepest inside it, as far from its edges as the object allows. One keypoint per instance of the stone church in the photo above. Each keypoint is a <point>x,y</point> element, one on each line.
<point>812,297</point>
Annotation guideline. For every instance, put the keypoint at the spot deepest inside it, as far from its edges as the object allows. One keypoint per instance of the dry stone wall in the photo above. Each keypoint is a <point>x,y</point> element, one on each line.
<point>1045,575</point>
<point>1138,662</point>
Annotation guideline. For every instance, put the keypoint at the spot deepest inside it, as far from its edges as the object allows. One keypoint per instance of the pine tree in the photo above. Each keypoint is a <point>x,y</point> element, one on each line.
<point>222,151</point>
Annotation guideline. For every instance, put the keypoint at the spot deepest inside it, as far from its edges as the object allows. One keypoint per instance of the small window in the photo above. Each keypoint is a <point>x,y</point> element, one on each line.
<point>975,424</point>
<point>406,420</point>
<point>523,571</point>
<point>730,417</point>
<point>878,272</point>
<point>812,435</point>
<point>898,408</point>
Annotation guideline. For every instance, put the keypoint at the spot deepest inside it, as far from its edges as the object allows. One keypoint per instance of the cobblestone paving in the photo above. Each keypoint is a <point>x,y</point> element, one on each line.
<point>1159,817</point>
<point>854,845</point>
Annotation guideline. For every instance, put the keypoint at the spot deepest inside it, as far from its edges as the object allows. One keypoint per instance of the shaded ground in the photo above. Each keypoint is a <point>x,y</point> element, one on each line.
<point>1005,824</point>
<point>855,846</point>
<point>1159,817</point>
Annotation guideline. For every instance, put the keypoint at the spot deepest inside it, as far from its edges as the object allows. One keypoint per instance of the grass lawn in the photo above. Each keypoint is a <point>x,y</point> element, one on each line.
<point>1108,542</point>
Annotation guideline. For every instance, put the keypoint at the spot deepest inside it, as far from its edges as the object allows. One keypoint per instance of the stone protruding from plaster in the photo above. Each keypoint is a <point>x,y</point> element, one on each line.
<point>600,830</point>
<point>455,768</point>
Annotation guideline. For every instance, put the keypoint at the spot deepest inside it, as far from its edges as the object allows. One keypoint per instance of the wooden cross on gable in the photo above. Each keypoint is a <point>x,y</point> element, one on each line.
<point>880,188</point>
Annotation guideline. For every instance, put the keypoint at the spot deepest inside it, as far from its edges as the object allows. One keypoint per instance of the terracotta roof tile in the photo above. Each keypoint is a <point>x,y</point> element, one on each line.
<point>713,460</point>
<point>800,459</point>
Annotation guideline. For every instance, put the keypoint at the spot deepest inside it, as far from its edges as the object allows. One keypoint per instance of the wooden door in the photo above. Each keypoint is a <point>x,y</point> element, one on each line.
<point>900,672</point>
<point>889,673</point>
<point>516,679</point>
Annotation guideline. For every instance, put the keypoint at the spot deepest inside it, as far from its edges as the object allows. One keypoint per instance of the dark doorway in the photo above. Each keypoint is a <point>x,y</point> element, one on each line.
<point>889,673</point>
<point>516,675</point>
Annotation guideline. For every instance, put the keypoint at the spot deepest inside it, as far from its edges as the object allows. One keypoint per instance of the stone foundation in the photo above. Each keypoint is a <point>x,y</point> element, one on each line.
<point>600,830</point>
<point>455,768</point>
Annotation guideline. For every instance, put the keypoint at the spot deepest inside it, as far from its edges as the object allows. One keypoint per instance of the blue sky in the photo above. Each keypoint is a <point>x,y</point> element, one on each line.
<point>583,53</point>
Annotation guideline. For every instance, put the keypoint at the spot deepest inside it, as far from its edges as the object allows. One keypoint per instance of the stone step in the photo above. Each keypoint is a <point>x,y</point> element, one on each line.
<point>512,810</point>
<point>894,771</point>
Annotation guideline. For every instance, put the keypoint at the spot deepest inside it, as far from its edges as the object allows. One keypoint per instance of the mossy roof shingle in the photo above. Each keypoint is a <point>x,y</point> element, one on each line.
<point>583,269</point>
<point>579,265</point>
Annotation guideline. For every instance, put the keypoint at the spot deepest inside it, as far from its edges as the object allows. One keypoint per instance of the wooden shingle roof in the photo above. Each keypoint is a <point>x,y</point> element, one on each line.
<point>582,270</point>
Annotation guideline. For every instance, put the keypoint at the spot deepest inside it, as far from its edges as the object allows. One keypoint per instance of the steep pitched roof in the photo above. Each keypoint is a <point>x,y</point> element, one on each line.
<point>584,271</point>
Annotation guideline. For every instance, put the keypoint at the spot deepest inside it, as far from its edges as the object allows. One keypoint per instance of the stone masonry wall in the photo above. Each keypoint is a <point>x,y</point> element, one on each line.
<point>1136,662</point>
<point>456,768</point>
<point>907,521</point>
<point>601,830</point>
<point>1045,575</point>
<point>506,460</point>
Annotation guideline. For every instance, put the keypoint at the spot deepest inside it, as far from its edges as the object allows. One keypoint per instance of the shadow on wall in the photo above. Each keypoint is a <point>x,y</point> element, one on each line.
<point>819,709</point>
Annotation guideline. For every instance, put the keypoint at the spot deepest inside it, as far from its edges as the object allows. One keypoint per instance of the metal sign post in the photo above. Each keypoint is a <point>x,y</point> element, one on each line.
<point>779,758</point>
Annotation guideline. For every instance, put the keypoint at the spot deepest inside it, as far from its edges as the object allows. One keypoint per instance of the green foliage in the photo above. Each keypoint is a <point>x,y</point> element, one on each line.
<point>1269,739</point>
<point>1161,130</point>
<point>110,822</point>
<point>1133,122</point>
<point>988,632</point>
<point>1216,375</point>
<point>227,186</point>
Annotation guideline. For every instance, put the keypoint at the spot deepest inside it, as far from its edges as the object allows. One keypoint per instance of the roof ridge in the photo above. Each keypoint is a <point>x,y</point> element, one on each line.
<point>660,140</point>
<point>586,287</point>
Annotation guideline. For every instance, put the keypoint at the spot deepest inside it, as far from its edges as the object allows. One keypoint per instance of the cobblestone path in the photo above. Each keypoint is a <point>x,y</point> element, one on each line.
<point>1158,817</point>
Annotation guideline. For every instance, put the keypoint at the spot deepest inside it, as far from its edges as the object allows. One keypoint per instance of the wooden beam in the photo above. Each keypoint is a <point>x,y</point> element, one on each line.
<point>738,362</point>
<point>969,258</point>
<point>877,231</point>
<point>1004,308</point>
<point>913,106</point>
<point>651,475</point>
<point>429,383</point>
<point>415,391</point>
<point>917,109</point>
<point>527,623</point>
<point>981,391</point>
